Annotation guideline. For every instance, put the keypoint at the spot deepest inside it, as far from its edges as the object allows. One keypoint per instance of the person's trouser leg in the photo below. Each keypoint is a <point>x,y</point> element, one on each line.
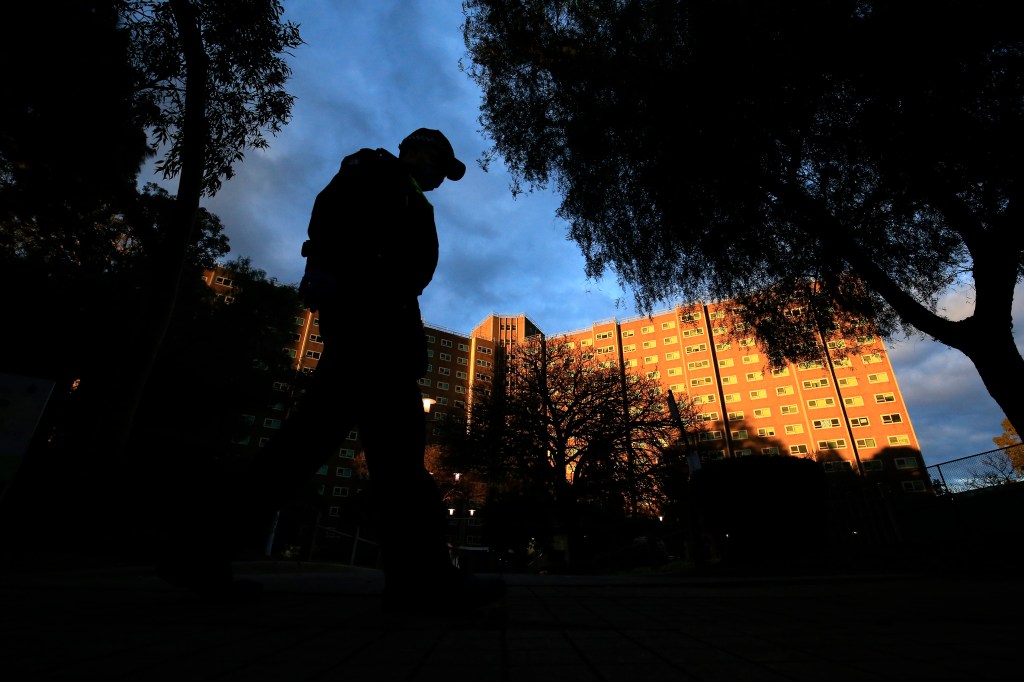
<point>406,498</point>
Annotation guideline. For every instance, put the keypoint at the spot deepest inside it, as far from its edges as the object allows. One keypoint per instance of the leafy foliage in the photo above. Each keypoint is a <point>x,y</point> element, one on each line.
<point>1011,441</point>
<point>244,43</point>
<point>863,153</point>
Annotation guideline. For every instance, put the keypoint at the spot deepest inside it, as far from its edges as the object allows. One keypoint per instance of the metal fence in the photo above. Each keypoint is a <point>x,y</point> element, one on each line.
<point>975,472</point>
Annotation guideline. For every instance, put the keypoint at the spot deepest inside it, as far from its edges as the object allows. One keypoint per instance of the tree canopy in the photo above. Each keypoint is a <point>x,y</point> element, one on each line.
<point>862,154</point>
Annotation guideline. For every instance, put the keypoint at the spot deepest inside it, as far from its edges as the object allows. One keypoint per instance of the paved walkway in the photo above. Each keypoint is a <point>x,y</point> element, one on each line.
<point>320,622</point>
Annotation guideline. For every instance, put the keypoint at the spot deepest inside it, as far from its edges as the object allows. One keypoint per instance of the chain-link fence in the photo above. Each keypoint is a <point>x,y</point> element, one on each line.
<point>983,470</point>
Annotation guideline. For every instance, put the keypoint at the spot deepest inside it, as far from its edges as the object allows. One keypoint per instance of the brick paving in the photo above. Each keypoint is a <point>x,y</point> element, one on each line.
<point>320,622</point>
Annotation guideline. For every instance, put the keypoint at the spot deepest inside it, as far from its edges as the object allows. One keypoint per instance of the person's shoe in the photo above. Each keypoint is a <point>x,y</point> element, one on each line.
<point>213,583</point>
<point>455,593</point>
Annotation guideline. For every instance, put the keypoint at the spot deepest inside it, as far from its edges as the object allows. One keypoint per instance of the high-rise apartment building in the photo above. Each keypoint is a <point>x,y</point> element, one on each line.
<point>846,411</point>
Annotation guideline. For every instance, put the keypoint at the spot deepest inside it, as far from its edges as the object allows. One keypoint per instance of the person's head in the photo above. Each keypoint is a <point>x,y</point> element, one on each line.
<point>430,158</point>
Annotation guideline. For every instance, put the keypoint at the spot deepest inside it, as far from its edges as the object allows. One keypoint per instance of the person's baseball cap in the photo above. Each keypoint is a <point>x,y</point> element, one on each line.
<point>455,169</point>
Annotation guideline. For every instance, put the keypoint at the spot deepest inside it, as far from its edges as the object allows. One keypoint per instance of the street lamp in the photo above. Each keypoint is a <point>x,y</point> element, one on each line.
<point>427,402</point>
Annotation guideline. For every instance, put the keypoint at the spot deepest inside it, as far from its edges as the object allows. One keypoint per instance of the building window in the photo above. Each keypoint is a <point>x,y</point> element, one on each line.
<point>772,450</point>
<point>460,389</point>
<point>224,281</point>
<point>751,359</point>
<point>269,423</point>
<point>783,390</point>
<point>739,434</point>
<point>794,428</point>
<point>654,375</point>
<point>447,357</point>
<point>650,359</point>
<point>430,338</point>
<point>464,347</point>
<point>446,343</point>
<point>856,422</point>
<point>784,372</point>
<point>726,362</point>
<point>343,472</point>
<point>735,416</point>
<point>442,385</point>
<point>811,364</point>
<point>836,467</point>
<point>629,348</point>
<point>650,344</point>
<point>766,431</point>
<point>894,418</point>
<point>718,331</point>
<point>885,398</point>
<point>798,449</point>
<point>821,403</point>
<point>853,401</point>
<point>668,325</point>
<point>339,491</point>
<point>790,409</point>
<point>314,354</point>
<point>869,443</point>
<point>675,371</point>
<point>759,394</point>
<point>744,452</point>
<point>815,383</point>
<point>696,348</point>
<point>424,381</point>
<point>871,358</point>
<point>846,382</point>
<point>669,340</point>
<point>334,511</point>
<point>347,453</point>
<point>878,378</point>
<point>725,345</point>
<point>901,439</point>
<point>729,380</point>
<point>290,352</point>
<point>444,371</point>
<point>701,381</point>
<point>627,333</point>
<point>710,435</point>
<point>832,423</point>
<point>462,361</point>
<point>459,374</point>
<point>762,412</point>
<point>672,355</point>
<point>732,397</point>
<point>913,486</point>
<point>698,364</point>
<point>755,376</point>
<point>648,329</point>
<point>905,462</point>
<point>832,444</point>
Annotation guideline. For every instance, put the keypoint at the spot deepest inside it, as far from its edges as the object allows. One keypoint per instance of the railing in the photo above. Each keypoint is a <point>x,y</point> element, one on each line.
<point>974,472</point>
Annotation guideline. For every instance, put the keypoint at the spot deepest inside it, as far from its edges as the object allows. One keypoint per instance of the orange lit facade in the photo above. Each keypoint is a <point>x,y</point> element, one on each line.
<point>846,412</point>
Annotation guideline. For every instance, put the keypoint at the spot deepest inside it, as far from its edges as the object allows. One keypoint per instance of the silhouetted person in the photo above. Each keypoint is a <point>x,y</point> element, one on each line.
<point>372,249</point>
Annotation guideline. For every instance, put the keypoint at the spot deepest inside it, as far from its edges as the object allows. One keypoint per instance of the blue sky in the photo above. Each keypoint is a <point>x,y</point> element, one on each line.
<point>370,73</point>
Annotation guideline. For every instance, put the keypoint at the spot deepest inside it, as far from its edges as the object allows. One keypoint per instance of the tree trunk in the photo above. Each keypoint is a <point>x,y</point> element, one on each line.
<point>1001,367</point>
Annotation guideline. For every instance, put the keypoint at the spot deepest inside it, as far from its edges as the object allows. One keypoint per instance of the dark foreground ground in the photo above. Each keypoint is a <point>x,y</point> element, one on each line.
<point>322,622</point>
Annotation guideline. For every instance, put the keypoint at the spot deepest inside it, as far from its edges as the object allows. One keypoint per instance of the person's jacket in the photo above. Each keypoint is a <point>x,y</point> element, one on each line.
<point>372,246</point>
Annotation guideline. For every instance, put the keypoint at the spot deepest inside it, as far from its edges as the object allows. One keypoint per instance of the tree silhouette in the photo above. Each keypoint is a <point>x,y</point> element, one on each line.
<point>863,154</point>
